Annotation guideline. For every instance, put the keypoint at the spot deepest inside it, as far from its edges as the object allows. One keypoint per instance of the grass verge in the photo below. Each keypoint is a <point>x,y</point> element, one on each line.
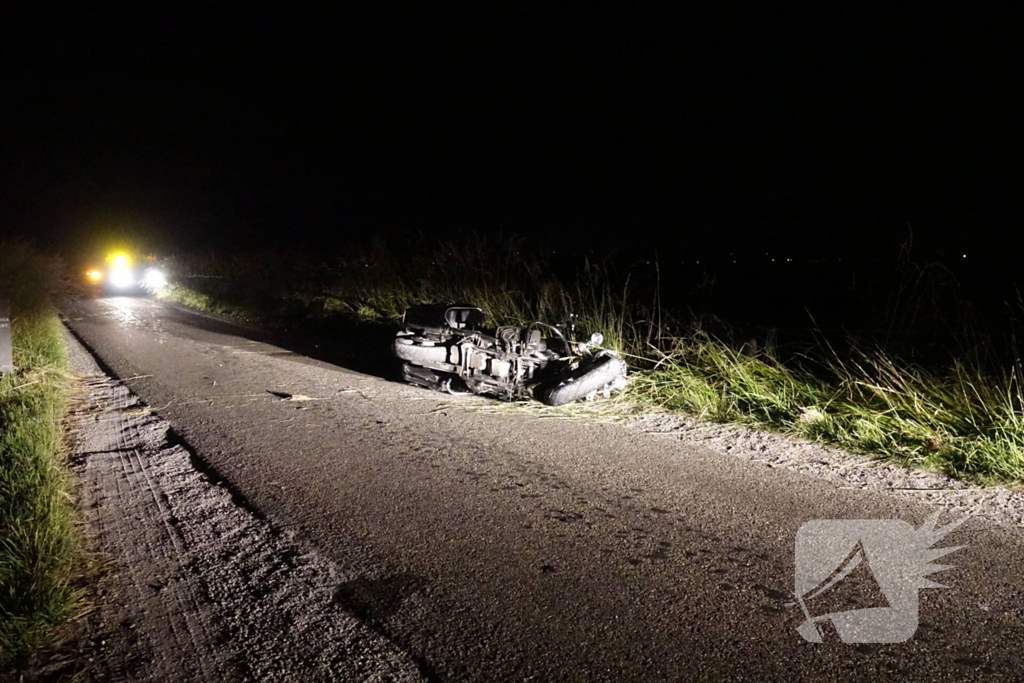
<point>960,421</point>
<point>39,548</point>
<point>963,418</point>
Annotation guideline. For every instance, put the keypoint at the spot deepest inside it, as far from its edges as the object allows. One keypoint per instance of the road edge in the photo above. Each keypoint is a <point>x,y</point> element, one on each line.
<point>133,467</point>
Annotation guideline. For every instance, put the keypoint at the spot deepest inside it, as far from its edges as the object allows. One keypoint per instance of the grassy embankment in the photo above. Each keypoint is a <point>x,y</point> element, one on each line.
<point>39,546</point>
<point>963,417</point>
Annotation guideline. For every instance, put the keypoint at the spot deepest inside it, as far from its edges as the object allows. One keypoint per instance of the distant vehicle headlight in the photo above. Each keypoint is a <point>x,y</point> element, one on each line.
<point>154,278</point>
<point>121,278</point>
<point>94,275</point>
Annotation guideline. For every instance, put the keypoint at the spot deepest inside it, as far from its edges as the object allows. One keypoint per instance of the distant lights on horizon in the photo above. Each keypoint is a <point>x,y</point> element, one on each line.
<point>777,259</point>
<point>793,260</point>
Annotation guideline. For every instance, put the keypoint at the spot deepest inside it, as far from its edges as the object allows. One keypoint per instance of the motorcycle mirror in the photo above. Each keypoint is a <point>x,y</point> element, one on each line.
<point>596,339</point>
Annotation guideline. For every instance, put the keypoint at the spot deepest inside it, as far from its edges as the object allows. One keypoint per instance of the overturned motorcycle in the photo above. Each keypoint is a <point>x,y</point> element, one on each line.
<point>444,348</point>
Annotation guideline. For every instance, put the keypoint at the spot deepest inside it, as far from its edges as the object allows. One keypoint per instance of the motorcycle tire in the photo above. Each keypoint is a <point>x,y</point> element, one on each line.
<point>586,379</point>
<point>427,356</point>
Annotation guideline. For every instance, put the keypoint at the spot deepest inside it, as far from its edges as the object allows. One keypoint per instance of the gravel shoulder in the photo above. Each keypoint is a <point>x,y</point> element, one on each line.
<point>197,585</point>
<point>1002,505</point>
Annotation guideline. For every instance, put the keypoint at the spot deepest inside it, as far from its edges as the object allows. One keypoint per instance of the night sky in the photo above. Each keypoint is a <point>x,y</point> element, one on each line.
<point>825,130</point>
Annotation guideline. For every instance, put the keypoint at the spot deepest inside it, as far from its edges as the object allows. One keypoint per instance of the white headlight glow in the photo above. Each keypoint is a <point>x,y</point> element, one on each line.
<point>154,279</point>
<point>121,278</point>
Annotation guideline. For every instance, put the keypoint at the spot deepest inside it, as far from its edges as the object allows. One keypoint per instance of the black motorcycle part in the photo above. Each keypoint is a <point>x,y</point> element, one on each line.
<point>435,319</point>
<point>424,377</point>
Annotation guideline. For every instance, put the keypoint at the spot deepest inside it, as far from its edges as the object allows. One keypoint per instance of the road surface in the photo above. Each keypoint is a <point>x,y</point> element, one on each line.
<point>506,547</point>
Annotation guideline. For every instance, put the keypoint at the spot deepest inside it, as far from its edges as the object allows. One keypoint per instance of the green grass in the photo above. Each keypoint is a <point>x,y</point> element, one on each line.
<point>512,284</point>
<point>204,302</point>
<point>39,547</point>
<point>962,422</point>
<point>965,420</point>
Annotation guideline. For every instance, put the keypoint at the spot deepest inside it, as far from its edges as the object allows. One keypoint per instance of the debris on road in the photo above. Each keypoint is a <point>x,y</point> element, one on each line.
<point>284,396</point>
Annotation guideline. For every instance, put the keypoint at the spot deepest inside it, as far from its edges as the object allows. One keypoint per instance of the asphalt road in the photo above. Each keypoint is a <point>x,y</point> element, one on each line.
<point>507,547</point>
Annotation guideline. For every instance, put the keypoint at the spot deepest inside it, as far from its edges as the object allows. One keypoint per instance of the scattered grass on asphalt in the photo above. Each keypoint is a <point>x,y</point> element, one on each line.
<point>39,548</point>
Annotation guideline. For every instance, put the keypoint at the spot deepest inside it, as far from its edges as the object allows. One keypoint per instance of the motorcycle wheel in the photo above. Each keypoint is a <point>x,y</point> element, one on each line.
<point>585,380</point>
<point>421,355</point>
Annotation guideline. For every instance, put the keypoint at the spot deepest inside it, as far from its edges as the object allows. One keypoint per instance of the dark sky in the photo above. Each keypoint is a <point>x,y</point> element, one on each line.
<point>831,127</point>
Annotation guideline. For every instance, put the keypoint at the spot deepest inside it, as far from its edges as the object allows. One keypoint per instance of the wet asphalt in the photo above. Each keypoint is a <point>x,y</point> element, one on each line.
<point>501,546</point>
